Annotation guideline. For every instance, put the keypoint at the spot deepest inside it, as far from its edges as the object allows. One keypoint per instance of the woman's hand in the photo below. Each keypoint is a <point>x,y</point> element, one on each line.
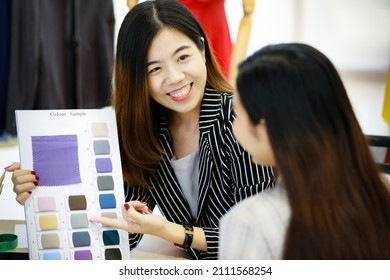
<point>137,218</point>
<point>25,181</point>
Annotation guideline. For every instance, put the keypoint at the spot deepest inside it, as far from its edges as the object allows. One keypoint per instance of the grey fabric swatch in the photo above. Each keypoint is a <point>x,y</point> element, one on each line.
<point>101,147</point>
<point>105,183</point>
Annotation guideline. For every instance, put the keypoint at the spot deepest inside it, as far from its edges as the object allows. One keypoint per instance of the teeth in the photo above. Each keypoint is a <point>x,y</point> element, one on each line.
<point>180,93</point>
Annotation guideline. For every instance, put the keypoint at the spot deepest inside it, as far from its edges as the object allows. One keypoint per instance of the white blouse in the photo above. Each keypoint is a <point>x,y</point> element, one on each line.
<point>187,173</point>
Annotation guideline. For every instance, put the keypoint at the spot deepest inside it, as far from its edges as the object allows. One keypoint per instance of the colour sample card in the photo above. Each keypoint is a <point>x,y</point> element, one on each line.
<point>75,154</point>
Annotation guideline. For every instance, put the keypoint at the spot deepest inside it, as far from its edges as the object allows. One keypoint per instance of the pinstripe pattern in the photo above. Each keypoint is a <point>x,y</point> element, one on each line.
<point>226,175</point>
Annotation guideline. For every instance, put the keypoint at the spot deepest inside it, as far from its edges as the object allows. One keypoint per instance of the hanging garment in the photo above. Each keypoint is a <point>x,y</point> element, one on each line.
<point>61,55</point>
<point>212,16</point>
<point>4,59</point>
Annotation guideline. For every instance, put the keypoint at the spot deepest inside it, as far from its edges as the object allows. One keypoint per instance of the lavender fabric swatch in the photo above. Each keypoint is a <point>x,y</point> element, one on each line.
<point>103,165</point>
<point>56,160</point>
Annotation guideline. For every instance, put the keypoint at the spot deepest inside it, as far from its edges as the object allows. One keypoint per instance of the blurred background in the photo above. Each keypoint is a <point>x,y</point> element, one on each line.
<point>354,34</point>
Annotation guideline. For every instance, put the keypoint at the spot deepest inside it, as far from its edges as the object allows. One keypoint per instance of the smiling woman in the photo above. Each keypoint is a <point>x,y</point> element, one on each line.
<point>171,118</point>
<point>177,77</point>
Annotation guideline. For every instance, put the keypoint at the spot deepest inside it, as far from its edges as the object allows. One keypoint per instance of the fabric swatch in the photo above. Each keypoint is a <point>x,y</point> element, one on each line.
<point>103,165</point>
<point>51,256</point>
<point>50,241</point>
<point>83,255</point>
<point>56,160</point>
<point>77,202</point>
<point>79,220</point>
<point>81,239</point>
<point>110,237</point>
<point>113,254</point>
<point>101,147</point>
<point>46,203</point>
<point>105,183</point>
<point>107,201</point>
<point>48,222</point>
<point>99,129</point>
<point>111,215</point>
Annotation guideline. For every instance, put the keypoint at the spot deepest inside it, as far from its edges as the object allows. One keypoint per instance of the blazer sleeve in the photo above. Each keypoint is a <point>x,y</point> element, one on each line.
<point>247,178</point>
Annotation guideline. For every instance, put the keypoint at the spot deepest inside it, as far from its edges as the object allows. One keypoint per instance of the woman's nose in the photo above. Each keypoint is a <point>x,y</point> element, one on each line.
<point>174,75</point>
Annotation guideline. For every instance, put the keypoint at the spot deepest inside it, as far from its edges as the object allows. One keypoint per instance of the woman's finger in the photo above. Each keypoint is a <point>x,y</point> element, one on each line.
<point>14,166</point>
<point>116,223</point>
<point>22,197</point>
<point>23,176</point>
<point>140,207</point>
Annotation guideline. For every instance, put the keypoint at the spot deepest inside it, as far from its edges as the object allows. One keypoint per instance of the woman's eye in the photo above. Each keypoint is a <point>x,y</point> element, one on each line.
<point>153,70</point>
<point>183,57</point>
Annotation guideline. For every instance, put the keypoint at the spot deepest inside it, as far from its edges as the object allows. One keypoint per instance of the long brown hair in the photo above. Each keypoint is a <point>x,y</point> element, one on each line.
<point>136,112</point>
<point>340,207</point>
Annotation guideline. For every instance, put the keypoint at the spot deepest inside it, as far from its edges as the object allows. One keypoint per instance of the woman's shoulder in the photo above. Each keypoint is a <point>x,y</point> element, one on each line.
<point>216,103</point>
<point>264,203</point>
<point>211,93</point>
<point>263,220</point>
<point>217,98</point>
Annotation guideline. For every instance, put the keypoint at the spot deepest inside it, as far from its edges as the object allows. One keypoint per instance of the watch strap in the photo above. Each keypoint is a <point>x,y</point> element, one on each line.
<point>189,235</point>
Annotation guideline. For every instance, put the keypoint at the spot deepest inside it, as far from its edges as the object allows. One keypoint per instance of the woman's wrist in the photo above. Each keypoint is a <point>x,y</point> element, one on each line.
<point>175,233</point>
<point>188,236</point>
<point>171,232</point>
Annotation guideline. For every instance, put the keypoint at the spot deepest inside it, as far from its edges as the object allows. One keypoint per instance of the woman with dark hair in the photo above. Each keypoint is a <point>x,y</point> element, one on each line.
<point>174,117</point>
<point>330,202</point>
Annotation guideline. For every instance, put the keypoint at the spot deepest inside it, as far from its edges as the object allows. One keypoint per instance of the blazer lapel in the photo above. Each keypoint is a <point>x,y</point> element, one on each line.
<point>173,188</point>
<point>206,164</point>
<point>211,106</point>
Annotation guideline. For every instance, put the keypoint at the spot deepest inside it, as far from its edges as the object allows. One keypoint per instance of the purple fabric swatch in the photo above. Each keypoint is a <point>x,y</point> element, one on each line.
<point>83,255</point>
<point>103,165</point>
<point>56,160</point>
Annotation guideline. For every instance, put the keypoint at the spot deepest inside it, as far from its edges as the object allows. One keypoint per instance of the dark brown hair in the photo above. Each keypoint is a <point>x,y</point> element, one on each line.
<point>340,205</point>
<point>136,112</point>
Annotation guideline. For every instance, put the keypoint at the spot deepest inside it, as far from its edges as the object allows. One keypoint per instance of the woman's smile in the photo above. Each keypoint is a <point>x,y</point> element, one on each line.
<point>181,94</point>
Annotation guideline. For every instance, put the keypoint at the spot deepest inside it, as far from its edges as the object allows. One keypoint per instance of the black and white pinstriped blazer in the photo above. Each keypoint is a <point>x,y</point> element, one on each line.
<point>226,175</point>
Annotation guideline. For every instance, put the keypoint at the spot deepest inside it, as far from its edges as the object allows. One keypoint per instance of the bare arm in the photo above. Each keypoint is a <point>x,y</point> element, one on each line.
<point>135,221</point>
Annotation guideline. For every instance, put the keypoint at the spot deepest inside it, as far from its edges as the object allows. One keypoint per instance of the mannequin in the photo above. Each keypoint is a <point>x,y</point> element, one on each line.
<point>131,3</point>
<point>243,36</point>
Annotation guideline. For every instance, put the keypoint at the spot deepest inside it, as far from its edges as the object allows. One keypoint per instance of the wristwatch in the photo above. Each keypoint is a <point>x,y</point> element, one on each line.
<point>189,235</point>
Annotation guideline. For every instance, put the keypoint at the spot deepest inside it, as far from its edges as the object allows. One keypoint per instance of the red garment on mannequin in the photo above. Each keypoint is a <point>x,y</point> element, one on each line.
<point>211,14</point>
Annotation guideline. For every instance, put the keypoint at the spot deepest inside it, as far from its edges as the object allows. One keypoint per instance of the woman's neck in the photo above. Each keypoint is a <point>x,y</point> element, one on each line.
<point>184,130</point>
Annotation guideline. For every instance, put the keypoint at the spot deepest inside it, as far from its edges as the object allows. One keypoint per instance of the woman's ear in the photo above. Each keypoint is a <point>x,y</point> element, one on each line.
<point>204,49</point>
<point>261,129</point>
